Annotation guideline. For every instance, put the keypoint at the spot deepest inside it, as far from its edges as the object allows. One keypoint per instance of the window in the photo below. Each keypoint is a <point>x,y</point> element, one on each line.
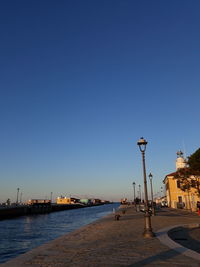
<point>178,184</point>
<point>180,199</point>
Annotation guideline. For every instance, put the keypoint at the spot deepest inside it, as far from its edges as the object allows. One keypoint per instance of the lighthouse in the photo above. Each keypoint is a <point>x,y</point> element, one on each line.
<point>180,161</point>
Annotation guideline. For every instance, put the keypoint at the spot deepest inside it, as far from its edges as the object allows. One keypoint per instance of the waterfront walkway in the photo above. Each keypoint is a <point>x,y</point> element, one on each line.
<point>117,243</point>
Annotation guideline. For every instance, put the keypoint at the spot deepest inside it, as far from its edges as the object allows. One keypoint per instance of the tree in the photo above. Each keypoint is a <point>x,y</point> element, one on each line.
<point>194,161</point>
<point>188,179</point>
<point>188,182</point>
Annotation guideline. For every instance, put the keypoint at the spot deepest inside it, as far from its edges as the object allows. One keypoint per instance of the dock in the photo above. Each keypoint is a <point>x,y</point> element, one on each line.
<point>22,210</point>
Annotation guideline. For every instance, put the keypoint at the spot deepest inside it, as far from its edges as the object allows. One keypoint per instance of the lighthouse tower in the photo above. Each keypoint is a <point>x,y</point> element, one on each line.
<point>180,161</point>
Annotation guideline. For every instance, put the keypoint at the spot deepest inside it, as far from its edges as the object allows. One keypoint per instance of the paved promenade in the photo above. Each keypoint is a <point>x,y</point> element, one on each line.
<point>114,243</point>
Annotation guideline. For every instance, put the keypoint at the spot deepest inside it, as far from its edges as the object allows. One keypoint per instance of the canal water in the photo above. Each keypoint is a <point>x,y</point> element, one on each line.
<point>22,234</point>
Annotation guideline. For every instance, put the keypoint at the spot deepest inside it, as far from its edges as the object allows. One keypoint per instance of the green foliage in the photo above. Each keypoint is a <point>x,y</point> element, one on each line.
<point>185,182</point>
<point>194,161</point>
<point>188,178</point>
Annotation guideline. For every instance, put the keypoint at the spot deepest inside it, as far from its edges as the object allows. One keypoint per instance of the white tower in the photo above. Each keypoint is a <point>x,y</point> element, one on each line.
<point>180,161</point>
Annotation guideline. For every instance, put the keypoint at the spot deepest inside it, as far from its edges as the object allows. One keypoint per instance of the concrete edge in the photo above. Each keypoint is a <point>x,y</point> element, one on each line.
<point>162,235</point>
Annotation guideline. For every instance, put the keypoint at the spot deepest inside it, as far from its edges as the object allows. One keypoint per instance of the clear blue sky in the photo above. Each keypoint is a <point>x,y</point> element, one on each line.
<point>82,81</point>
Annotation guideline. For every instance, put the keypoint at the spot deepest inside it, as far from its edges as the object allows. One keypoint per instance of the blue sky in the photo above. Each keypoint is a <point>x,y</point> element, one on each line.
<point>82,81</point>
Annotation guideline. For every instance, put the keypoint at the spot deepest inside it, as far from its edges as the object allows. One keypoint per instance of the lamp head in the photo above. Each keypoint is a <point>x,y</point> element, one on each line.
<point>142,144</point>
<point>150,176</point>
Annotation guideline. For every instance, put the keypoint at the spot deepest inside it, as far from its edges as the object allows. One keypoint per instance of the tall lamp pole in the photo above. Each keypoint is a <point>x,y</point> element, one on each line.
<point>134,192</point>
<point>152,204</point>
<point>148,233</point>
<point>17,201</point>
<point>161,192</point>
<point>140,197</point>
<point>21,198</point>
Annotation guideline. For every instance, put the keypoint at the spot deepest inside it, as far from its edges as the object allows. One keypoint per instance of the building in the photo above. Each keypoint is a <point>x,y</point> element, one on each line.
<point>39,202</point>
<point>182,187</point>
<point>96,201</point>
<point>66,200</point>
<point>86,201</point>
<point>161,201</point>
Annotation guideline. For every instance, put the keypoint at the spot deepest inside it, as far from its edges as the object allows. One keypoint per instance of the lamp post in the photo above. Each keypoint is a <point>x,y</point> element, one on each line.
<point>134,192</point>
<point>21,198</point>
<point>148,233</point>
<point>140,197</point>
<point>152,205</point>
<point>17,201</point>
<point>161,191</point>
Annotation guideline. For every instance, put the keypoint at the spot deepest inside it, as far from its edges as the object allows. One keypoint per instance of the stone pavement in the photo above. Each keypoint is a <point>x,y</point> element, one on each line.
<point>108,242</point>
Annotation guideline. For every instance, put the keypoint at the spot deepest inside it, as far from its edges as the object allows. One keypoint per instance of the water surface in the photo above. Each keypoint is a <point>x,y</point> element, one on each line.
<point>21,234</point>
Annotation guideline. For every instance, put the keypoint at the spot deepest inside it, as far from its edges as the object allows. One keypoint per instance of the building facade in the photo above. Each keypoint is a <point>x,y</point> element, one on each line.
<point>66,200</point>
<point>182,189</point>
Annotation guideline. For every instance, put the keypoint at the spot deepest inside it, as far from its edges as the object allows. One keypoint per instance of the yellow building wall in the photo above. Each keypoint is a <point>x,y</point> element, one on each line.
<point>63,200</point>
<point>173,193</point>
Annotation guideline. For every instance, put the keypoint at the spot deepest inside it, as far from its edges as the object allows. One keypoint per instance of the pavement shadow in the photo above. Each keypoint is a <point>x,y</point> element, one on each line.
<point>172,213</point>
<point>163,256</point>
<point>179,211</point>
<point>183,236</point>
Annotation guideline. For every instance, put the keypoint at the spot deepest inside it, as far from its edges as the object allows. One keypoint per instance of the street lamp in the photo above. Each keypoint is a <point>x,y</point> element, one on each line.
<point>152,205</point>
<point>134,192</point>
<point>140,197</point>
<point>21,198</point>
<point>148,233</point>
<point>161,191</point>
<point>17,201</point>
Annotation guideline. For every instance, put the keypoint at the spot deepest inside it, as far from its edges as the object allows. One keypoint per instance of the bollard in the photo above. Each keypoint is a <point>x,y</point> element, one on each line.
<point>117,216</point>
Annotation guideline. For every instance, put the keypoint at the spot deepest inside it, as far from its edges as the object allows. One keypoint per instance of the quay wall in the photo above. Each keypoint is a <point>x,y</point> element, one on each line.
<point>11,212</point>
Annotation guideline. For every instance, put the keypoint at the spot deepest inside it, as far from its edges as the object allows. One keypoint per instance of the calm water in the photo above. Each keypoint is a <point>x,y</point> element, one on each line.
<point>21,234</point>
